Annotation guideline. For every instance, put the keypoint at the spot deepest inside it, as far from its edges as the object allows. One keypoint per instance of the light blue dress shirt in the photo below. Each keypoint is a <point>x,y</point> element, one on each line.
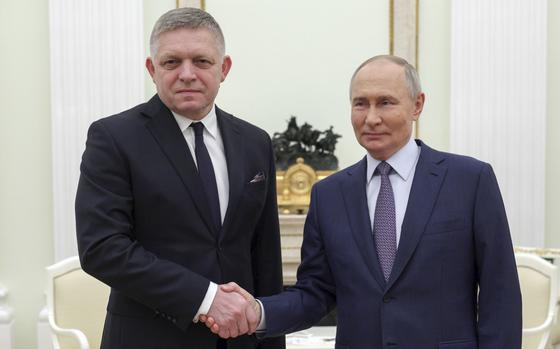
<point>403,163</point>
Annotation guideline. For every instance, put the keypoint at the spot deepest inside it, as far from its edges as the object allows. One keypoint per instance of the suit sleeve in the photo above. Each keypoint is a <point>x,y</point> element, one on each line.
<point>106,244</point>
<point>313,296</point>
<point>266,251</point>
<point>499,300</point>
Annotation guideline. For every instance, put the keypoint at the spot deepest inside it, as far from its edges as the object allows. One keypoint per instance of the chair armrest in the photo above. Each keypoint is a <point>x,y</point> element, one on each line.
<point>546,325</point>
<point>78,335</point>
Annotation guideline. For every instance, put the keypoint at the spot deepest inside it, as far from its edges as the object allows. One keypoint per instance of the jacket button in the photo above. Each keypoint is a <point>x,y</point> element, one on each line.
<point>386,299</point>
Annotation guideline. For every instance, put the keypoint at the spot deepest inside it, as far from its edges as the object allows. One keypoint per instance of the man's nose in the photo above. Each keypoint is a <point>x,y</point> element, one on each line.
<point>187,72</point>
<point>373,117</point>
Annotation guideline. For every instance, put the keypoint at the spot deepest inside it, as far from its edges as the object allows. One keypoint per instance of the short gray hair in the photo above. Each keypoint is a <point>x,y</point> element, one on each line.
<point>186,17</point>
<point>410,73</point>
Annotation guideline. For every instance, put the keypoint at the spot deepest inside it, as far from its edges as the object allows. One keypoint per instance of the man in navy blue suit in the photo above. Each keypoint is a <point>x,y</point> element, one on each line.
<point>410,244</point>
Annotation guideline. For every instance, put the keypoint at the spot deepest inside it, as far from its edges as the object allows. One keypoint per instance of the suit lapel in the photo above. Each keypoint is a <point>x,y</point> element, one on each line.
<point>234,148</point>
<point>355,199</point>
<point>168,135</point>
<point>428,178</point>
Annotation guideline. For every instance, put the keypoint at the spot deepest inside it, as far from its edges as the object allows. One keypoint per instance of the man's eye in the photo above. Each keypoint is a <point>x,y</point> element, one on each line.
<point>170,63</point>
<point>202,62</point>
<point>386,102</point>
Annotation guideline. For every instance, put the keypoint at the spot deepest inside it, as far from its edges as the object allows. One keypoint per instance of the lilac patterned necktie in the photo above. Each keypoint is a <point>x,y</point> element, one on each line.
<point>384,225</point>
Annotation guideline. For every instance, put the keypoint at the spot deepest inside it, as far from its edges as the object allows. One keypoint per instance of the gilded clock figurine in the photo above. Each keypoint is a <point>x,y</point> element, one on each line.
<point>303,156</point>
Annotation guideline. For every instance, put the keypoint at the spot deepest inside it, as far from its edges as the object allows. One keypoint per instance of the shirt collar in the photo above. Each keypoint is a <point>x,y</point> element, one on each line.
<point>402,161</point>
<point>210,122</point>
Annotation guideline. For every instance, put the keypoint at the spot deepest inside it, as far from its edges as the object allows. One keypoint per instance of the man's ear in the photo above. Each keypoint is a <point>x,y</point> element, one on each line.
<point>226,66</point>
<point>418,105</point>
<point>150,67</point>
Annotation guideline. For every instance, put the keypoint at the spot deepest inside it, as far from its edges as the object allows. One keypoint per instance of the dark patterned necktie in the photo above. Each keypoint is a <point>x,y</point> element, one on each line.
<point>206,172</point>
<point>384,225</point>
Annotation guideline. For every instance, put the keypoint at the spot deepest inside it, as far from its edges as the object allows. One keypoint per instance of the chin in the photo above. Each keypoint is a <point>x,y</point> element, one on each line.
<point>189,107</point>
<point>374,148</point>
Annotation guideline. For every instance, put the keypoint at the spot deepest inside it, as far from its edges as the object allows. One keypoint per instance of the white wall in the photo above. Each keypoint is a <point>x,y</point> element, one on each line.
<point>296,57</point>
<point>434,58</point>
<point>26,209</point>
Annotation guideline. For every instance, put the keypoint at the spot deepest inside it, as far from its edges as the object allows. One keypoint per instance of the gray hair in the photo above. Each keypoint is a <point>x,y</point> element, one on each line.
<point>186,17</point>
<point>410,73</point>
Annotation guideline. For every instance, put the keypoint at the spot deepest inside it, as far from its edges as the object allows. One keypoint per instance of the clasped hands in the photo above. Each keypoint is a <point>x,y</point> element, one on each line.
<point>233,312</point>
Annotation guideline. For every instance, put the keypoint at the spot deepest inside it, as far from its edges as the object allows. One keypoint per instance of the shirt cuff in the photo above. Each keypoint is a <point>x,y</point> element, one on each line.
<point>207,301</point>
<point>262,324</point>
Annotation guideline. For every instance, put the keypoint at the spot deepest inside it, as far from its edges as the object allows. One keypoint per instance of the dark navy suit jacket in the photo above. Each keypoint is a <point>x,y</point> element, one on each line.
<point>455,241</point>
<point>144,226</point>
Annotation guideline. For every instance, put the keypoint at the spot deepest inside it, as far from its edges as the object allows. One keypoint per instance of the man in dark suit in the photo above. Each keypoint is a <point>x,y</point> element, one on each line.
<point>411,244</point>
<point>177,196</point>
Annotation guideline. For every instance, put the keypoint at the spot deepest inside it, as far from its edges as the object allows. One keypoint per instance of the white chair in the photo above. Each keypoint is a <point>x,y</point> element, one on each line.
<point>6,322</point>
<point>539,288</point>
<point>554,340</point>
<point>76,305</point>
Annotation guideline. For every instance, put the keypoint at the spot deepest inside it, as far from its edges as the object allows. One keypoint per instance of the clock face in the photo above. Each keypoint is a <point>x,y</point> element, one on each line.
<point>300,182</point>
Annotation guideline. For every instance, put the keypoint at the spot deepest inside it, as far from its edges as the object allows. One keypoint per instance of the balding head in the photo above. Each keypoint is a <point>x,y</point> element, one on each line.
<point>411,75</point>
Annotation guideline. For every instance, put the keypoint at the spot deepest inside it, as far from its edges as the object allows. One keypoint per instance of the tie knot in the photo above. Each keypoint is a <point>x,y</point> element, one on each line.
<point>384,168</point>
<point>198,127</point>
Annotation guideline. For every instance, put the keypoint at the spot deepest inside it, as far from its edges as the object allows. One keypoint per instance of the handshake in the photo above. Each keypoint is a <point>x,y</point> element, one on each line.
<point>233,312</point>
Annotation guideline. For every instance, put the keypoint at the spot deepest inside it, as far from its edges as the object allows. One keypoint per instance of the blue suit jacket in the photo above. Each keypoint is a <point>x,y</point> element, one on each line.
<point>455,240</point>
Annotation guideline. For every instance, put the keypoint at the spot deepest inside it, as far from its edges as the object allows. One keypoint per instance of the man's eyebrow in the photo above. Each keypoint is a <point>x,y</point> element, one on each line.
<point>385,96</point>
<point>170,53</point>
<point>359,98</point>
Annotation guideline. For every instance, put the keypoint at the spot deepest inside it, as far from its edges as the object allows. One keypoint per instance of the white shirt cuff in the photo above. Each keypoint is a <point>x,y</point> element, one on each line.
<point>262,325</point>
<point>207,301</point>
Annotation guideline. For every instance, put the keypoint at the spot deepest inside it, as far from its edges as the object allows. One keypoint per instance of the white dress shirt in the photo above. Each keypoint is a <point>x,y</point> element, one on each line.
<point>403,163</point>
<point>215,145</point>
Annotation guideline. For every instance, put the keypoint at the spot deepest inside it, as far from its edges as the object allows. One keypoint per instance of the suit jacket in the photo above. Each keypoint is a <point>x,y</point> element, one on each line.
<point>454,240</point>
<point>144,226</point>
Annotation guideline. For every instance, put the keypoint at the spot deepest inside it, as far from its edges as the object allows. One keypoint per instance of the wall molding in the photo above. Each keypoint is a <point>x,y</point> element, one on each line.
<point>403,29</point>
<point>403,34</point>
<point>201,4</point>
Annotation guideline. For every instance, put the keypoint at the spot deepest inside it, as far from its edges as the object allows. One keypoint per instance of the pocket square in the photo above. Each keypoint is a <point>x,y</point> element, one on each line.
<point>258,178</point>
